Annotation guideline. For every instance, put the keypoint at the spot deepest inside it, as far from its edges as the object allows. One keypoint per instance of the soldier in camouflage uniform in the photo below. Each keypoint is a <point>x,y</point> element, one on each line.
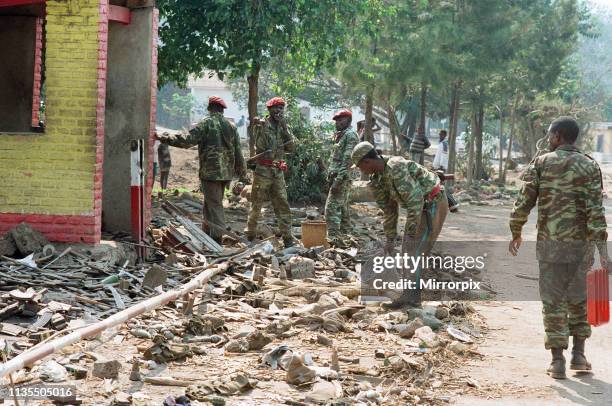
<point>567,186</point>
<point>272,140</point>
<point>337,205</point>
<point>220,161</point>
<point>398,181</point>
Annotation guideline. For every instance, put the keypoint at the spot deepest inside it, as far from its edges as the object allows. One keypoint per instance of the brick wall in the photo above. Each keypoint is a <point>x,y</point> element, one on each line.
<point>54,180</point>
<point>149,179</point>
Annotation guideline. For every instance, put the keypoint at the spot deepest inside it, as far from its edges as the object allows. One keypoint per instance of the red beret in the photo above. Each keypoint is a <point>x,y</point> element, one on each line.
<point>275,101</point>
<point>217,100</point>
<point>343,113</point>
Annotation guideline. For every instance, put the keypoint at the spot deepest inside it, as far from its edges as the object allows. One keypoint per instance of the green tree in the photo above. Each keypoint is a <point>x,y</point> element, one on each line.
<point>239,38</point>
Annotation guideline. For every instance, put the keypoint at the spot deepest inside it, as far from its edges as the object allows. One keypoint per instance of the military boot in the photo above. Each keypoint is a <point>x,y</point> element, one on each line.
<point>410,299</point>
<point>579,361</point>
<point>557,366</point>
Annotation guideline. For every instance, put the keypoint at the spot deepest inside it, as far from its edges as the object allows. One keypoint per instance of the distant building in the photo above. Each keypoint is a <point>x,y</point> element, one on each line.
<point>602,141</point>
<point>202,88</point>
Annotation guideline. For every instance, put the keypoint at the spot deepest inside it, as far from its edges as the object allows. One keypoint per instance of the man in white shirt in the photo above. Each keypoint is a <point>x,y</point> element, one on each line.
<point>440,162</point>
<point>441,159</point>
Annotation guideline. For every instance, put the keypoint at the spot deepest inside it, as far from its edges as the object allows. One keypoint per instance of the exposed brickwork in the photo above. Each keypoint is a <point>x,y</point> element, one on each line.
<point>149,179</point>
<point>55,228</point>
<point>100,115</point>
<point>37,72</point>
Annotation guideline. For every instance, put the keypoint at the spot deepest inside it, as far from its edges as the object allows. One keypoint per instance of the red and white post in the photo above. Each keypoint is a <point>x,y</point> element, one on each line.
<point>137,189</point>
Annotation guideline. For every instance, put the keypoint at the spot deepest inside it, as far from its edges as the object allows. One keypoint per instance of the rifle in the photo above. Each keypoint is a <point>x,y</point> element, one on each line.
<point>254,157</point>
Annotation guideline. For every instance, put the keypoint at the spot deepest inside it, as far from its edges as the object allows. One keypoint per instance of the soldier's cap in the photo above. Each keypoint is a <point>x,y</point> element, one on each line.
<point>275,101</point>
<point>217,100</point>
<point>343,113</point>
<point>361,150</point>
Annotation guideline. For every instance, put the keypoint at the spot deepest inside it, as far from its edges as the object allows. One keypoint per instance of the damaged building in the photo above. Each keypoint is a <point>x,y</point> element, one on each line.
<point>78,84</point>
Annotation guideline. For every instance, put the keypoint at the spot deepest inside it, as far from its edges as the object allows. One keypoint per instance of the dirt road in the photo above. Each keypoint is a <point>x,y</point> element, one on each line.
<point>512,370</point>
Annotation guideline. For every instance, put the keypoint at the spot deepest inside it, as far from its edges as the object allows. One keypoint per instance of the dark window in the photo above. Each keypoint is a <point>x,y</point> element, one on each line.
<point>21,70</point>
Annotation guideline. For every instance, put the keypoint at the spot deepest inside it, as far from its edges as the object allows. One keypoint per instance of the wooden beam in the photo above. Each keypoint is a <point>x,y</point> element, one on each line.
<point>12,3</point>
<point>119,14</point>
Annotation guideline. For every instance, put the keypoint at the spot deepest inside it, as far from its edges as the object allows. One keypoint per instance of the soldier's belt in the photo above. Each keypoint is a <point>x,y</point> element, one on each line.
<point>282,165</point>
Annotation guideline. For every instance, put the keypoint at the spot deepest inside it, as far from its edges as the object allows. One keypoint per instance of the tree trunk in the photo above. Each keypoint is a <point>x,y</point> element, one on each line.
<point>423,117</point>
<point>470,165</point>
<point>393,126</point>
<point>479,116</point>
<point>368,134</point>
<point>501,145</point>
<point>453,126</point>
<point>253,80</point>
<point>511,138</point>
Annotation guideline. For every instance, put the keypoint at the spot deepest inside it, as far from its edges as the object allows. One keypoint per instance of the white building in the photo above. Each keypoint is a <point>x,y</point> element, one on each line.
<point>202,88</point>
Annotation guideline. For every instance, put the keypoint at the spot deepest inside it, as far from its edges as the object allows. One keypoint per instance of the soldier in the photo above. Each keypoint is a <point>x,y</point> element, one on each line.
<point>272,140</point>
<point>568,189</point>
<point>398,181</point>
<point>220,161</point>
<point>337,205</point>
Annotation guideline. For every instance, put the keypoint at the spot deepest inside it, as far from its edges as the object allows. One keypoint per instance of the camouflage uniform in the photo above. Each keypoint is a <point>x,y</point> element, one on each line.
<point>269,182</point>
<point>220,160</point>
<point>571,220</point>
<point>337,206</point>
<point>406,183</point>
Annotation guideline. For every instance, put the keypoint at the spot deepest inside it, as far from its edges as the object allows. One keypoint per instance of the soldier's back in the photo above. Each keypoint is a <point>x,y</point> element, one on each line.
<point>565,186</point>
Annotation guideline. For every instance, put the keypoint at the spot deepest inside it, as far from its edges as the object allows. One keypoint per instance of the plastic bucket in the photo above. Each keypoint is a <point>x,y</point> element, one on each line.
<point>314,233</point>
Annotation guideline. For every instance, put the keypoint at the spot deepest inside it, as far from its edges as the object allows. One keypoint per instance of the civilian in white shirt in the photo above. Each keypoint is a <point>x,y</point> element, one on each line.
<point>441,159</point>
<point>440,163</point>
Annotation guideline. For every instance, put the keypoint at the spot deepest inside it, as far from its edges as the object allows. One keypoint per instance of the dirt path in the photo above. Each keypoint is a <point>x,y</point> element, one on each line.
<point>512,370</point>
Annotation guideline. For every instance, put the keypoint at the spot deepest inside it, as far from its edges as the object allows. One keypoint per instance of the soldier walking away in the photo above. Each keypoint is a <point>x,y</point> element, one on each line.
<point>272,141</point>
<point>337,206</point>
<point>398,181</point>
<point>567,186</point>
<point>220,161</point>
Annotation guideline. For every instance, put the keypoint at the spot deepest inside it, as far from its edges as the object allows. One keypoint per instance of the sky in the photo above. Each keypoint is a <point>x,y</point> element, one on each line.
<point>606,3</point>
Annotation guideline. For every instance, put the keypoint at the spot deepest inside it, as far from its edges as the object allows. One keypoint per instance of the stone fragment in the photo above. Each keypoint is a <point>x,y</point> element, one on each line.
<point>106,369</point>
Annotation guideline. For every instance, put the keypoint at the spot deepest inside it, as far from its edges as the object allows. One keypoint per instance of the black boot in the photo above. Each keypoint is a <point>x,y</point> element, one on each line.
<point>410,299</point>
<point>557,366</point>
<point>579,361</point>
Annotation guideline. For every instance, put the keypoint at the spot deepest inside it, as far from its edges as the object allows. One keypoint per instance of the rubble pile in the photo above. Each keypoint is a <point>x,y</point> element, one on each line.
<point>484,193</point>
<point>280,326</point>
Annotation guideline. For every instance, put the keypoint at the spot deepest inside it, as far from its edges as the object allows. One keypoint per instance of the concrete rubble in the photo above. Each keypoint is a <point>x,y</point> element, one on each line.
<point>280,326</point>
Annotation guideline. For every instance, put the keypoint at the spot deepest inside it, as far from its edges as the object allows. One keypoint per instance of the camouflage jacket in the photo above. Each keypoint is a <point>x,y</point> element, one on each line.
<point>271,137</point>
<point>567,187</point>
<point>340,160</point>
<point>218,148</point>
<point>406,183</point>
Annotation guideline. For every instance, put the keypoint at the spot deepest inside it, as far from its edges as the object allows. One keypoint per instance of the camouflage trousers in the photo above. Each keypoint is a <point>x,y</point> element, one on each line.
<point>337,215</point>
<point>274,190</point>
<point>214,216</point>
<point>564,305</point>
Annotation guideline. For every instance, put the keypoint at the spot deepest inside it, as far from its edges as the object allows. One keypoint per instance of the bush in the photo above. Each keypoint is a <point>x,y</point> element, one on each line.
<point>306,179</point>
